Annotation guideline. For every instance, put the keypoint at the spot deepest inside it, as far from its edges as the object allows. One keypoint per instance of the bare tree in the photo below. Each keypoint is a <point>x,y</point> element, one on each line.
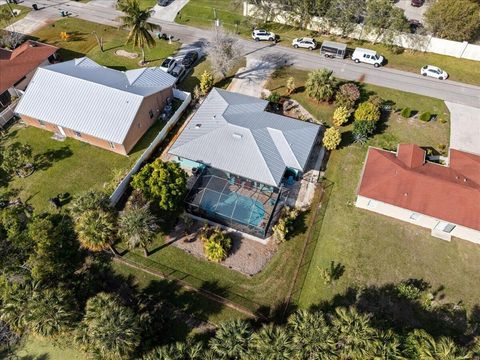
<point>224,52</point>
<point>99,40</point>
<point>11,39</point>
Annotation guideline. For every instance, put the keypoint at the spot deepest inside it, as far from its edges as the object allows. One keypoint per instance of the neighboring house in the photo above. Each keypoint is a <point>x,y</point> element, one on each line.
<point>104,107</point>
<point>403,185</point>
<point>18,66</point>
<point>246,155</point>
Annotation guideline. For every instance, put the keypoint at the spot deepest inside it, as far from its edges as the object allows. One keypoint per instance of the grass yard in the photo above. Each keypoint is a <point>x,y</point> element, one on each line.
<point>71,166</point>
<point>200,13</point>
<point>373,248</point>
<point>83,43</point>
<point>34,348</point>
<point>23,12</point>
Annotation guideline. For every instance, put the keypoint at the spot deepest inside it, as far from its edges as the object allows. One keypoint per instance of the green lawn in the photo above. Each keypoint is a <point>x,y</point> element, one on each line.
<point>23,12</point>
<point>34,348</point>
<point>71,166</point>
<point>376,249</point>
<point>83,43</point>
<point>200,13</point>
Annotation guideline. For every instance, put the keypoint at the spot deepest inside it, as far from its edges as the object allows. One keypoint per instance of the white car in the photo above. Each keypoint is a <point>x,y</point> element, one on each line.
<point>307,43</point>
<point>178,72</point>
<point>367,56</point>
<point>260,34</point>
<point>168,64</point>
<point>433,71</point>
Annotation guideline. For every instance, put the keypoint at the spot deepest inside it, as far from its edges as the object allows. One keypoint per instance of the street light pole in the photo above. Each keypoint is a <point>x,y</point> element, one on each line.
<point>10,8</point>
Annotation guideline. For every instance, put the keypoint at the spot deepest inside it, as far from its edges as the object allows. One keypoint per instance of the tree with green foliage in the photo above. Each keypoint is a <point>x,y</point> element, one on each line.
<point>163,182</point>
<point>331,138</point>
<point>340,116</point>
<point>188,350</point>
<point>345,14</point>
<point>271,342</point>
<point>347,95</point>
<point>284,226</point>
<point>421,345</point>
<point>17,158</point>
<point>385,19</point>
<point>206,82</point>
<point>321,85</point>
<point>231,340</point>
<point>216,243</point>
<point>89,200</point>
<point>109,330</point>
<point>96,230</point>
<point>362,129</point>
<point>135,19</point>
<point>367,111</point>
<point>457,20</point>
<point>56,254</point>
<point>138,228</point>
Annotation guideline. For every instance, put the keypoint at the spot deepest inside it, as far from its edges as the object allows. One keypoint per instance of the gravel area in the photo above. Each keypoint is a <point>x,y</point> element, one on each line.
<point>246,256</point>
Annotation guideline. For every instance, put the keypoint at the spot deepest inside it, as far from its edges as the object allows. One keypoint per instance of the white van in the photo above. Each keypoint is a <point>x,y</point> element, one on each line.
<point>367,56</point>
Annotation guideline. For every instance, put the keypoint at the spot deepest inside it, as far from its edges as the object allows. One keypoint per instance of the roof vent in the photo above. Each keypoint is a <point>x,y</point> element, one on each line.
<point>237,136</point>
<point>198,126</point>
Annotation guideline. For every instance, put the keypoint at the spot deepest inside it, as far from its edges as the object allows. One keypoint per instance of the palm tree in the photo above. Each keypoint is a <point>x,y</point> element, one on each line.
<point>321,85</point>
<point>311,335</point>
<point>89,200</point>
<point>109,329</point>
<point>136,20</point>
<point>96,230</point>
<point>272,343</point>
<point>421,345</point>
<point>178,351</point>
<point>137,226</point>
<point>231,339</point>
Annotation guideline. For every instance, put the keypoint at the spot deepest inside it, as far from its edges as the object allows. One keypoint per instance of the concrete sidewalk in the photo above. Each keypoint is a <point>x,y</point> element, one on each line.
<point>169,12</point>
<point>464,128</point>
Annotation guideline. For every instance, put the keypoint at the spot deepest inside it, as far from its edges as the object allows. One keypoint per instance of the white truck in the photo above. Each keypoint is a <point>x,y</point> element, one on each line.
<point>367,56</point>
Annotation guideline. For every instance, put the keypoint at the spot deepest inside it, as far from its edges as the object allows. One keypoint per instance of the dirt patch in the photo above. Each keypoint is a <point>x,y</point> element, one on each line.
<point>126,54</point>
<point>246,256</point>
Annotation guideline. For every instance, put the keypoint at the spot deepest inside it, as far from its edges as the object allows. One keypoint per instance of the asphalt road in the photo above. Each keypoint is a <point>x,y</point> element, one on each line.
<point>346,69</point>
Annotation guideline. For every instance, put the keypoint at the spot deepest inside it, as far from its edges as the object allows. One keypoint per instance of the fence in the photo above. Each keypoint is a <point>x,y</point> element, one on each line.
<point>8,113</point>
<point>122,187</point>
<point>417,42</point>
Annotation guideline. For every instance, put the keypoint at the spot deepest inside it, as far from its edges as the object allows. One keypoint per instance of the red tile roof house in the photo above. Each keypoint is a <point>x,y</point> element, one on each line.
<point>403,185</point>
<point>18,66</point>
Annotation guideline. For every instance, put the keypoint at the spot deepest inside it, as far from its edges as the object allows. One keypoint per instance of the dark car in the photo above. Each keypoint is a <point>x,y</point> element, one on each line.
<point>163,2</point>
<point>189,59</point>
<point>417,3</point>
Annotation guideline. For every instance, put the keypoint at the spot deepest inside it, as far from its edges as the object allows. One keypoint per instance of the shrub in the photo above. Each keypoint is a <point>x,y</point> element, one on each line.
<point>347,95</point>
<point>321,85</point>
<point>284,224</point>
<point>376,100</point>
<point>368,112</point>
<point>362,130</point>
<point>340,116</point>
<point>206,82</point>
<point>17,159</point>
<point>274,97</point>
<point>331,138</point>
<point>406,112</point>
<point>216,244</point>
<point>425,117</point>
<point>291,85</point>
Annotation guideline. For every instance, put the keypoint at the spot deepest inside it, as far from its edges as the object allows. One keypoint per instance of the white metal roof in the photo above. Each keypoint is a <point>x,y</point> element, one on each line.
<point>89,98</point>
<point>234,133</point>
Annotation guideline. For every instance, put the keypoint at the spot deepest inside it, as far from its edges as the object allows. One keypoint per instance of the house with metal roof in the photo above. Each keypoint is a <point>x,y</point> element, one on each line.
<point>405,186</point>
<point>246,153</point>
<point>105,107</point>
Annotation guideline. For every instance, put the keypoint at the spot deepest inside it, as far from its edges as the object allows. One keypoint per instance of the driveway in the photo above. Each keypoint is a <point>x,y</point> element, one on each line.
<point>169,12</point>
<point>412,12</point>
<point>464,128</point>
<point>250,80</point>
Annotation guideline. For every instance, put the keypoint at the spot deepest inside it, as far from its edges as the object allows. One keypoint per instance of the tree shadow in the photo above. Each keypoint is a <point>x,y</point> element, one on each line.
<point>46,160</point>
<point>299,225</point>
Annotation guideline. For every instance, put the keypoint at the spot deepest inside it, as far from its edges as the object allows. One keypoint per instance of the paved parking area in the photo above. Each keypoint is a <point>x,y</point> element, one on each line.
<point>412,12</point>
<point>169,12</point>
<point>464,128</point>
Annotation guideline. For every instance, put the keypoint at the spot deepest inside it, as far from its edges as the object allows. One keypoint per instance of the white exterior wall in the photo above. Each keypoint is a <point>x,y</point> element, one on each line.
<point>425,221</point>
<point>427,43</point>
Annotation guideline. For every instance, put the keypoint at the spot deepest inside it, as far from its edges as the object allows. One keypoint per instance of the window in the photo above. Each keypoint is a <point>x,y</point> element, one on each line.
<point>372,203</point>
<point>111,144</point>
<point>449,228</point>
<point>77,134</point>
<point>42,123</point>
<point>151,114</point>
<point>415,216</point>
<point>139,125</point>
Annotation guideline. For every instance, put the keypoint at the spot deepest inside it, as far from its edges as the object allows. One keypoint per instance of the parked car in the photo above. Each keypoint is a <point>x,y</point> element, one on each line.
<point>367,56</point>
<point>168,64</point>
<point>433,71</point>
<point>261,34</point>
<point>189,59</point>
<point>178,71</point>
<point>307,43</point>
<point>417,3</point>
<point>332,49</point>
<point>416,26</point>
<point>163,2</point>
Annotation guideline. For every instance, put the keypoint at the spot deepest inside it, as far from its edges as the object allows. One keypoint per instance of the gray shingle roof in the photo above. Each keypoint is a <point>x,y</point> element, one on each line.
<point>84,96</point>
<point>234,133</point>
